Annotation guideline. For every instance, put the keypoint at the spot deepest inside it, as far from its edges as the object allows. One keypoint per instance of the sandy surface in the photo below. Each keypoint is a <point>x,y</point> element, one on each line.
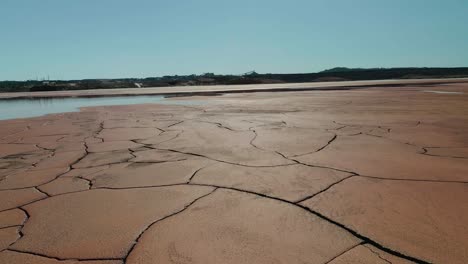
<point>375,175</point>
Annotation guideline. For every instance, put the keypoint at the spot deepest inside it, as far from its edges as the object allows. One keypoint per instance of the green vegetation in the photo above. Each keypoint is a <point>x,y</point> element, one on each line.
<point>335,74</point>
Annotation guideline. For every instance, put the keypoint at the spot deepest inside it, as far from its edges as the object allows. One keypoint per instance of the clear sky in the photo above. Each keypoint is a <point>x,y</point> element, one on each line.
<point>75,39</point>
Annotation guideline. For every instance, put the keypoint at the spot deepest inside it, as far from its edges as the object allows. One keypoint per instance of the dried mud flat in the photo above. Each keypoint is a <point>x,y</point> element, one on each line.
<point>376,175</point>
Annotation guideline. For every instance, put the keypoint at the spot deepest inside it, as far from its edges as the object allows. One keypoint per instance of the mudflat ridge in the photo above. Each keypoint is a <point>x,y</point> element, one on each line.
<point>375,175</point>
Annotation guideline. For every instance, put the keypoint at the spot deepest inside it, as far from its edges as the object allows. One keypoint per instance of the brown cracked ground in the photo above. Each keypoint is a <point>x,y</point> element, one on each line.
<point>376,175</point>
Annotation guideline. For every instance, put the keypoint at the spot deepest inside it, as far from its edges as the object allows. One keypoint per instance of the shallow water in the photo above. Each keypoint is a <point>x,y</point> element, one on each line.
<point>443,92</point>
<point>22,108</point>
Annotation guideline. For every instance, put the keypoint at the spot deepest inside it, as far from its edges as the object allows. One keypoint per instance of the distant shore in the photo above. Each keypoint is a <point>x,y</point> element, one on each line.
<point>223,89</point>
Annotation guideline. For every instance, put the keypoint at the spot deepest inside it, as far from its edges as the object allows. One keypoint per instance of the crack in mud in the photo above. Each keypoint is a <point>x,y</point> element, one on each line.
<point>324,190</point>
<point>180,122</point>
<point>320,149</point>
<point>222,161</point>
<point>41,191</point>
<point>162,219</point>
<point>342,253</point>
<point>442,156</point>
<point>413,180</point>
<point>217,124</point>
<point>195,173</point>
<point>378,255</point>
<point>20,230</point>
<point>61,259</point>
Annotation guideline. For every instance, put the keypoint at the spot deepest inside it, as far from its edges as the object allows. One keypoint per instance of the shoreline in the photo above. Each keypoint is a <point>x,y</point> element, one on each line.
<point>179,91</point>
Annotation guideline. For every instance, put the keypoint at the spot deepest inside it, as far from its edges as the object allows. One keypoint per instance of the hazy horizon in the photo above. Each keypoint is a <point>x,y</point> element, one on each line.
<point>118,39</point>
<point>49,78</point>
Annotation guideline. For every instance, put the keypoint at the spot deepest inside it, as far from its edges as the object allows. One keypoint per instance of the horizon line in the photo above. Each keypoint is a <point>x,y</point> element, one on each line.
<point>231,74</point>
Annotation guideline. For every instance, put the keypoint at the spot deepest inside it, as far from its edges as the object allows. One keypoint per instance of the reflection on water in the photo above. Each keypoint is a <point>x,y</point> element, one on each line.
<point>443,92</point>
<point>21,108</point>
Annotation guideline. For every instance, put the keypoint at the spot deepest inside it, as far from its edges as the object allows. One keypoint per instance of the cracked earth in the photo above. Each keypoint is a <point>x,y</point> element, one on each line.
<point>376,175</point>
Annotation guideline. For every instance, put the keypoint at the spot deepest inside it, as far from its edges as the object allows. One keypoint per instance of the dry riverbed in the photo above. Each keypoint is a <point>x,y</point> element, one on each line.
<point>375,175</point>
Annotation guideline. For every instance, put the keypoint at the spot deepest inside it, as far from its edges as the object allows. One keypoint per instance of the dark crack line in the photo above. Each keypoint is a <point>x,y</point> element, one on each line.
<point>28,203</point>
<point>60,139</point>
<point>20,230</point>
<point>195,173</point>
<point>162,219</point>
<point>100,129</point>
<point>131,153</point>
<point>316,166</point>
<point>10,226</point>
<point>223,161</point>
<point>140,149</point>
<point>160,129</point>
<point>225,127</point>
<point>42,148</point>
<point>446,147</point>
<point>18,188</point>
<point>120,127</point>
<point>341,124</point>
<point>135,187</point>
<point>324,190</point>
<point>90,182</point>
<point>320,149</point>
<point>219,125</point>
<point>106,167</point>
<point>347,250</point>
<point>138,141</point>
<point>107,164</point>
<point>60,259</point>
<point>378,255</point>
<point>176,136</point>
<point>414,180</point>
<point>98,188</point>
<point>393,140</point>
<point>180,122</point>
<point>41,191</point>
<point>19,235</point>
<point>442,156</point>
<point>262,149</point>
<point>153,162</point>
<point>253,139</point>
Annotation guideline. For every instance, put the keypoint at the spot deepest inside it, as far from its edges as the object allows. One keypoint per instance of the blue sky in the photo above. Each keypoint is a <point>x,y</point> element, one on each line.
<point>116,38</point>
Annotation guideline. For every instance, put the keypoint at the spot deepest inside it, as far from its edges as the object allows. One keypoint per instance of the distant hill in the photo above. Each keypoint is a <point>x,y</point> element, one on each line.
<point>334,74</point>
<point>358,74</point>
<point>343,69</point>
